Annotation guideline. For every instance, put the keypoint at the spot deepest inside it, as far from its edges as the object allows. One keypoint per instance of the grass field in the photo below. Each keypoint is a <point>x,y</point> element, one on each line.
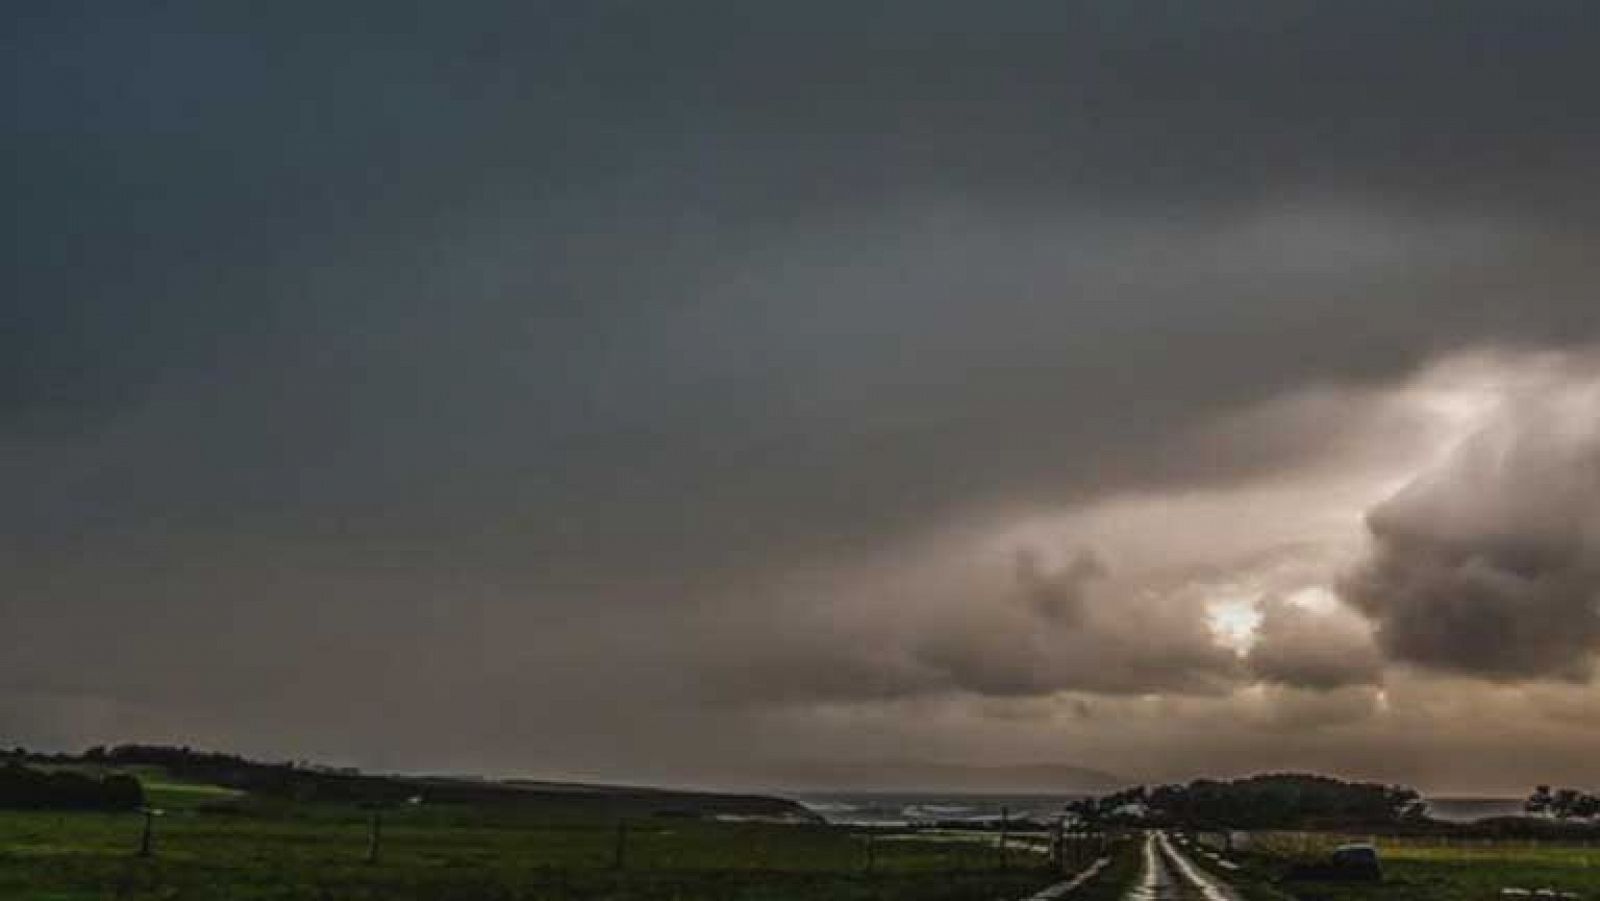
<point>216,843</point>
<point>1428,870</point>
<point>244,848</point>
<point>1113,882</point>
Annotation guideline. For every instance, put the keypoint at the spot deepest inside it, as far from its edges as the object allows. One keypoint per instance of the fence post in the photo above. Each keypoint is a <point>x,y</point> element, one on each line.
<point>375,835</point>
<point>619,858</point>
<point>1005,826</point>
<point>146,837</point>
<point>1058,846</point>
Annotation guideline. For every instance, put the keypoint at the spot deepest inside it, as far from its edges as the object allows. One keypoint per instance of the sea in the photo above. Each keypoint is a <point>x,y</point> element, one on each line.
<point>1465,810</point>
<point>902,808</point>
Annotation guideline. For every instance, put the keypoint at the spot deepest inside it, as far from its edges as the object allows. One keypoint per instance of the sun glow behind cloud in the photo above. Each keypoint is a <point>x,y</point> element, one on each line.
<point>810,383</point>
<point>1235,623</point>
<point>1253,564</point>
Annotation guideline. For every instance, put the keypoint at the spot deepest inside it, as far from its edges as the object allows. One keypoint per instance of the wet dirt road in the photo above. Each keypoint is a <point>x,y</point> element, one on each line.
<point>1169,875</point>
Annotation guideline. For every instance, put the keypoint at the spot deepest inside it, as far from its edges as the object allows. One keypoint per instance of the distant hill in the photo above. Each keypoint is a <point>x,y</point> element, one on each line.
<point>311,783</point>
<point>929,776</point>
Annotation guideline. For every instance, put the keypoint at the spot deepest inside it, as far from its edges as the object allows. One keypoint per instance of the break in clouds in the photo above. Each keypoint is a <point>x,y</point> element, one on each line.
<point>669,392</point>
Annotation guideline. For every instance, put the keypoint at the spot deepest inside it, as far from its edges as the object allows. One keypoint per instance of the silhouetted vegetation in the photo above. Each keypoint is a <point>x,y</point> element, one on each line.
<point>1118,808</point>
<point>1563,804</point>
<point>1271,801</point>
<point>31,788</point>
<point>310,783</point>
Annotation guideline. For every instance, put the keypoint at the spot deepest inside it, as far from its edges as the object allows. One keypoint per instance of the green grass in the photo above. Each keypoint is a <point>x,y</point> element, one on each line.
<point>1417,871</point>
<point>169,794</point>
<point>218,844</point>
<point>290,853</point>
<point>1113,882</point>
<point>161,789</point>
<point>1252,884</point>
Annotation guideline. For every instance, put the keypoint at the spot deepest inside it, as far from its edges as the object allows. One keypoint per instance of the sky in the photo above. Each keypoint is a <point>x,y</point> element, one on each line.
<point>701,392</point>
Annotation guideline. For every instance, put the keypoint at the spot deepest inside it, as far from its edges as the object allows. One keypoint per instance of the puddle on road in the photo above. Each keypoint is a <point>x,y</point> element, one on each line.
<point>1167,875</point>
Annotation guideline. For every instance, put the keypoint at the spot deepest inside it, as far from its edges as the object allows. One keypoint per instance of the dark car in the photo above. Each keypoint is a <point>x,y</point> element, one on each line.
<point>1347,863</point>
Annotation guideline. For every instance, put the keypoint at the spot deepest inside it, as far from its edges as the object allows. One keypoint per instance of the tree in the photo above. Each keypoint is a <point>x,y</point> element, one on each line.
<point>1284,800</point>
<point>1538,803</point>
<point>1095,813</point>
<point>1563,804</point>
<point>28,788</point>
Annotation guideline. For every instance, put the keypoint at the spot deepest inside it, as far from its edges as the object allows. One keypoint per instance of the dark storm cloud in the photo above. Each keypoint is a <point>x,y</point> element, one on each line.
<point>1490,564</point>
<point>342,338</point>
<point>819,242</point>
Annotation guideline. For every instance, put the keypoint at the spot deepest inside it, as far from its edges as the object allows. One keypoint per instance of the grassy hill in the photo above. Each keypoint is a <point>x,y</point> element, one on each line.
<point>240,829</point>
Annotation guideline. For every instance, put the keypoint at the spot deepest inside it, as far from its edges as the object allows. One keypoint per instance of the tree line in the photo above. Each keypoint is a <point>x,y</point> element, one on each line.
<point>1269,801</point>
<point>288,780</point>
<point>1563,804</point>
<point>31,788</point>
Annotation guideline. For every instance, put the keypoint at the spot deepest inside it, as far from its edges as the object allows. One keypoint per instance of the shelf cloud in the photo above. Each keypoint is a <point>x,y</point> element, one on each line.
<point>611,385</point>
<point>1489,563</point>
